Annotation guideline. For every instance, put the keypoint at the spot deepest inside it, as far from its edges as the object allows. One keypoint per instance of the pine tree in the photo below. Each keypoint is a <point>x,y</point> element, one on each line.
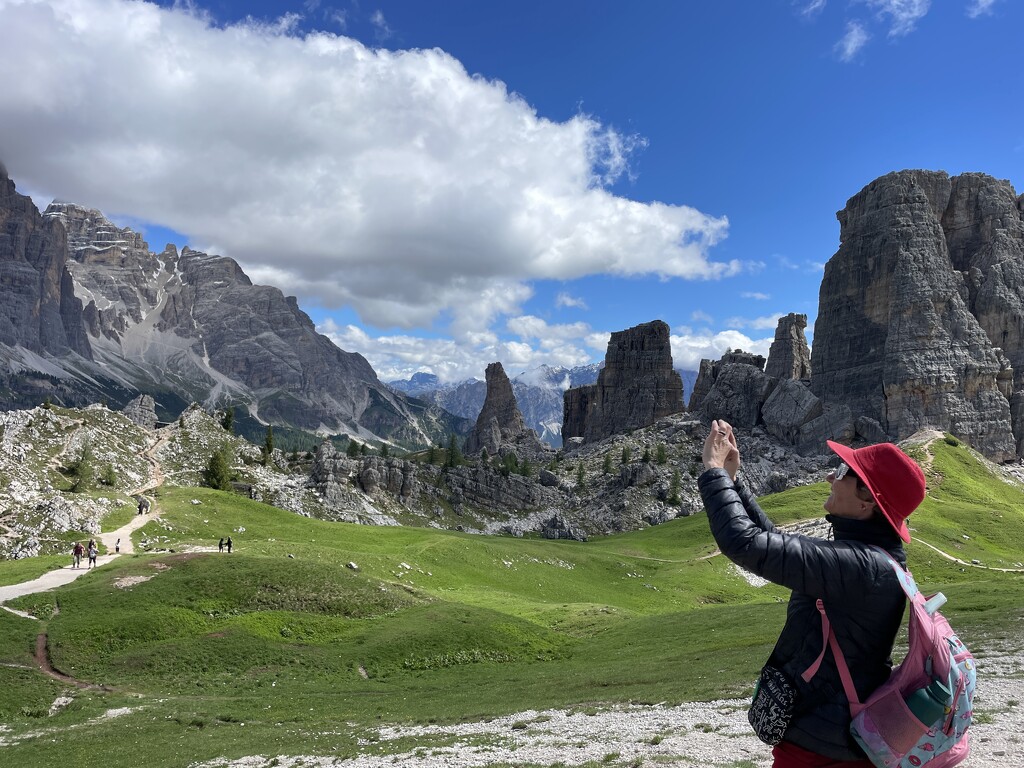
<point>627,454</point>
<point>352,450</point>
<point>384,452</point>
<point>673,490</point>
<point>431,455</point>
<point>217,474</point>
<point>454,453</point>
<point>661,454</point>
<point>228,422</point>
<point>84,470</point>
<point>646,457</point>
<point>606,467</point>
<point>580,478</point>
<point>525,469</point>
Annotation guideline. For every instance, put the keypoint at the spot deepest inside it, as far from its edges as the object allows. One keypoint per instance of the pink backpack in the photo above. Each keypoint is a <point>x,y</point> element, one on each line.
<point>921,714</point>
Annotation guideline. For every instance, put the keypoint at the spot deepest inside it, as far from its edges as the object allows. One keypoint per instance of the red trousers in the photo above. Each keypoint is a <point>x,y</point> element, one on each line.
<point>789,755</point>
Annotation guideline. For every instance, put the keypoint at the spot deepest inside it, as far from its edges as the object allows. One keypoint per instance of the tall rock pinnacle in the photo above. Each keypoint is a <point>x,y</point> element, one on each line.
<point>637,386</point>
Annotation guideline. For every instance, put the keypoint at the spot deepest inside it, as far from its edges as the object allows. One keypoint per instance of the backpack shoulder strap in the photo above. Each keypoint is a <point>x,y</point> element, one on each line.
<point>903,575</point>
<point>829,640</point>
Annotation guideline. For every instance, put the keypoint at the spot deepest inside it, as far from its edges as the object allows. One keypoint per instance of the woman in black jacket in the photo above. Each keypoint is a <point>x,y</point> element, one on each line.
<point>873,492</point>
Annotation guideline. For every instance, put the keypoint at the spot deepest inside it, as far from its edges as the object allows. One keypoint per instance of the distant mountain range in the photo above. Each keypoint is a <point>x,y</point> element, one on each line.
<point>538,393</point>
<point>88,313</point>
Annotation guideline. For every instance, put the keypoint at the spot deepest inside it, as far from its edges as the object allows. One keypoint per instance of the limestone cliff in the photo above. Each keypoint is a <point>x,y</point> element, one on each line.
<point>895,338</point>
<point>636,387</point>
<point>38,308</point>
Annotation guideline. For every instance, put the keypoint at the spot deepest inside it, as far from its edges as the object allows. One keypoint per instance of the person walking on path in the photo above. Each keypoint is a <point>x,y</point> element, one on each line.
<point>220,546</point>
<point>93,551</point>
<point>76,553</point>
<point>873,491</point>
<point>229,545</point>
<point>117,547</point>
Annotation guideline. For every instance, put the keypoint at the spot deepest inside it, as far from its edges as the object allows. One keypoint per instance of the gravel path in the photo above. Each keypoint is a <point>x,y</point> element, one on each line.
<point>700,734</point>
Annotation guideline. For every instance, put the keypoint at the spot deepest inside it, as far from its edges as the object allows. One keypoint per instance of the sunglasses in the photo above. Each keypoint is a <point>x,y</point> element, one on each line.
<point>842,470</point>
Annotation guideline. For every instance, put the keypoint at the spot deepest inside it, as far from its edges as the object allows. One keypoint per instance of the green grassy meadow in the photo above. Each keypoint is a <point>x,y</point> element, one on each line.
<point>281,648</point>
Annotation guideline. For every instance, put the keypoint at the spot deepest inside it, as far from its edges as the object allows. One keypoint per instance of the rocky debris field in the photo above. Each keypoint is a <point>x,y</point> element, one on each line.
<point>712,733</point>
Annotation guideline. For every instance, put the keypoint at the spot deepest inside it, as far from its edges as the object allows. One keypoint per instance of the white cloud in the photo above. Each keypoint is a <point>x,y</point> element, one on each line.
<point>852,41</point>
<point>381,25</point>
<point>757,323</point>
<point>565,300</point>
<point>700,316</point>
<point>813,8</point>
<point>689,349</point>
<point>400,356</point>
<point>757,295</point>
<point>978,8</point>
<point>903,14</point>
<point>390,181</point>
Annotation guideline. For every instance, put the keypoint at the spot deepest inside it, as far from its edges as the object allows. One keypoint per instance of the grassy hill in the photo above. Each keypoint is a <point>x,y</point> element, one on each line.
<point>282,648</point>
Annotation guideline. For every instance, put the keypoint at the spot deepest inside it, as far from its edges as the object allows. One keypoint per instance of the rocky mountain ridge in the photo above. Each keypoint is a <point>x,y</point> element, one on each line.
<point>94,315</point>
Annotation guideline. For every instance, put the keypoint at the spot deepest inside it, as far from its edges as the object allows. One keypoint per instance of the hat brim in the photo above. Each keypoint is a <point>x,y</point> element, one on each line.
<point>849,457</point>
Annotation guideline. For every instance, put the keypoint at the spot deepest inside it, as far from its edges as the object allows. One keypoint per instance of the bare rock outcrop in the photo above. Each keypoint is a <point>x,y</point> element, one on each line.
<point>38,307</point>
<point>738,394</point>
<point>898,338</point>
<point>636,387</point>
<point>789,356</point>
<point>500,422</point>
<point>141,411</point>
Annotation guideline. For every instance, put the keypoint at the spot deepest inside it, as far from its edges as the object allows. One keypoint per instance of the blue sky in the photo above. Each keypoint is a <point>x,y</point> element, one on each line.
<point>445,184</point>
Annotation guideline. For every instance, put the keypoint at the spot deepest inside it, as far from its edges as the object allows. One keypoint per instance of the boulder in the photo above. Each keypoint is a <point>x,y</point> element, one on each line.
<point>789,407</point>
<point>739,392</point>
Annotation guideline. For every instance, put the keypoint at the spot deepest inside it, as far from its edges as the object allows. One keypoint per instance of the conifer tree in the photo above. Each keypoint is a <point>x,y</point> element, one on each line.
<point>627,454</point>
<point>352,450</point>
<point>228,422</point>
<point>384,452</point>
<point>454,453</point>
<point>218,474</point>
<point>661,454</point>
<point>606,467</point>
<point>580,477</point>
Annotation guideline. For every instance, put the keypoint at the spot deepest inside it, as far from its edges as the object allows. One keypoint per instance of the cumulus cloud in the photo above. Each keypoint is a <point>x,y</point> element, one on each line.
<point>903,15</point>
<point>757,295</point>
<point>393,182</point>
<point>689,348</point>
<point>565,300</point>
<point>399,356</point>
<point>855,38</point>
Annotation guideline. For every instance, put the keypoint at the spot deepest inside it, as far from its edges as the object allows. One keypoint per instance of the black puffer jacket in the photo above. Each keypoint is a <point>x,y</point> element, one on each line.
<point>857,585</point>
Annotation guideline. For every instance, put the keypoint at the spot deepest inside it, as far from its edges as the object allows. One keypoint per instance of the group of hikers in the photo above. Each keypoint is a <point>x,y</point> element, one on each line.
<point>224,543</point>
<point>78,551</point>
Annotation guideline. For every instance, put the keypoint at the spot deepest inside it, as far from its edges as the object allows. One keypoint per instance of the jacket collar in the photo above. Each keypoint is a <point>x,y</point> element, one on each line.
<point>875,531</point>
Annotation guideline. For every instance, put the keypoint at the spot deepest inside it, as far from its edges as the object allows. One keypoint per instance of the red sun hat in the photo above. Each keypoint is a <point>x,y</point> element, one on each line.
<point>895,480</point>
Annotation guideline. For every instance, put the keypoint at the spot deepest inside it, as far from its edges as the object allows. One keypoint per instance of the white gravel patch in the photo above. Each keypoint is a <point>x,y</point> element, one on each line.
<point>695,734</point>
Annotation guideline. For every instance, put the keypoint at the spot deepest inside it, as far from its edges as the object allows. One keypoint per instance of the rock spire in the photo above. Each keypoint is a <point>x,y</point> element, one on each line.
<point>637,386</point>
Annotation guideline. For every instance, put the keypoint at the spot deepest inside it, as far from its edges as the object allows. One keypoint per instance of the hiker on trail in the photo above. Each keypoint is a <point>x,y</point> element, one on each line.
<point>220,546</point>
<point>117,546</point>
<point>93,551</point>
<point>229,545</point>
<point>142,505</point>
<point>874,490</point>
<point>76,552</point>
